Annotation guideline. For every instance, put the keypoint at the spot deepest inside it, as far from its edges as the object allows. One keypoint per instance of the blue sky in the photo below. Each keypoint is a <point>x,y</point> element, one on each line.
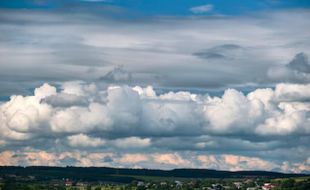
<point>221,84</point>
<point>164,7</point>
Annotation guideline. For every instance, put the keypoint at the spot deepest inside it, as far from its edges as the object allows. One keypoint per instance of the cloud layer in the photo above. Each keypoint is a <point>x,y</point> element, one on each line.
<point>212,52</point>
<point>130,121</point>
<point>136,95</point>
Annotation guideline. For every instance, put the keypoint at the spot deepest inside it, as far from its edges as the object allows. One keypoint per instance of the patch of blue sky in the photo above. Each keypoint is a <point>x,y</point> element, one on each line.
<point>210,91</point>
<point>166,7</point>
<point>4,98</point>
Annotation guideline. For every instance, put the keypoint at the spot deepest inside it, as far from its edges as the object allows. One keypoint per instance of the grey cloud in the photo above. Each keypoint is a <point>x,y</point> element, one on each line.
<point>209,55</point>
<point>117,75</point>
<point>44,48</point>
<point>65,100</point>
<point>108,159</point>
<point>300,63</point>
<point>226,47</point>
<point>219,52</point>
<point>297,70</point>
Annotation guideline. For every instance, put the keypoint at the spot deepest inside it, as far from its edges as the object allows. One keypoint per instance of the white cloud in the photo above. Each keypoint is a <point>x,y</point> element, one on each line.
<point>139,111</point>
<point>134,119</point>
<point>292,92</point>
<point>171,159</point>
<point>132,142</point>
<point>202,9</point>
<point>133,158</point>
<point>82,140</point>
<point>233,112</point>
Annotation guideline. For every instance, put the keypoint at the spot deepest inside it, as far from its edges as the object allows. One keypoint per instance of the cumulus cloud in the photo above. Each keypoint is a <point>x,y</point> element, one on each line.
<point>171,159</point>
<point>134,119</point>
<point>140,112</point>
<point>132,142</point>
<point>236,163</point>
<point>82,140</point>
<point>133,158</point>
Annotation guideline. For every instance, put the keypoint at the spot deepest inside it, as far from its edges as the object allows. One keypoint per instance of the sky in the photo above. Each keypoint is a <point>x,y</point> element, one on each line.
<point>158,84</point>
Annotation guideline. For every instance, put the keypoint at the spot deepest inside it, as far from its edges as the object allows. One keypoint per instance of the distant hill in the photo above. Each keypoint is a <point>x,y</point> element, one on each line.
<point>124,175</point>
